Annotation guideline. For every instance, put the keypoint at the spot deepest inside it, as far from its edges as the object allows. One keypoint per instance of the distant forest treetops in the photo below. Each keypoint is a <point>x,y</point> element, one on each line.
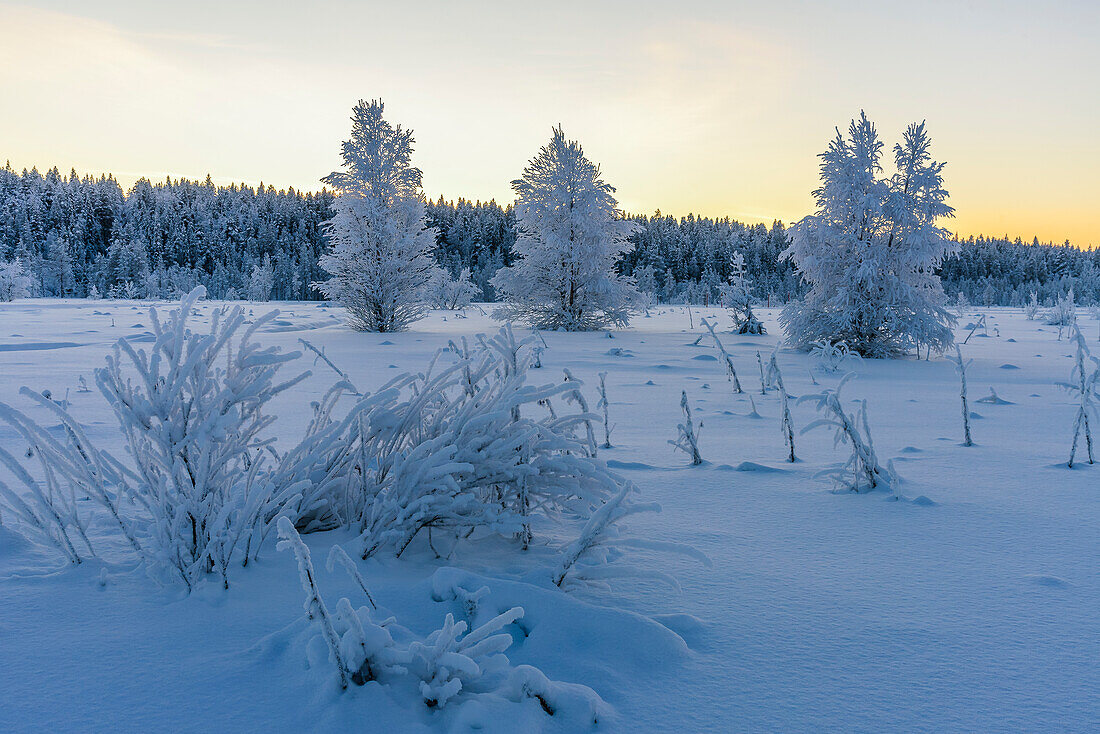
<point>82,236</point>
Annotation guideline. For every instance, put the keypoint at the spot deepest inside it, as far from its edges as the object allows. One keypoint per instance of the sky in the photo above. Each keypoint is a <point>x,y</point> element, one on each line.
<point>717,108</point>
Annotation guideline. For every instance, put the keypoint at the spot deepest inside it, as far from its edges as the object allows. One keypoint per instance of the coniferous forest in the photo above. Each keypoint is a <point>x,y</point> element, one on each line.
<point>87,237</point>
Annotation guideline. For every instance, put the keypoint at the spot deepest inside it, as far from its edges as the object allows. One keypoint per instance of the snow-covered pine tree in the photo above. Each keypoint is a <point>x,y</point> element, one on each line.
<point>570,236</point>
<point>870,251</point>
<point>381,259</point>
<point>262,281</point>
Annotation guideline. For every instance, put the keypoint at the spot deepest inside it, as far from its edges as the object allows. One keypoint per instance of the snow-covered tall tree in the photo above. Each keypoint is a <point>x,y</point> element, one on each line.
<point>262,281</point>
<point>381,259</point>
<point>571,234</point>
<point>870,251</point>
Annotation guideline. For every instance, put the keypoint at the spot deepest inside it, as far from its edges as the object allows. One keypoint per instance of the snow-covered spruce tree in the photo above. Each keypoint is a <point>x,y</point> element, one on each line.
<point>870,251</point>
<point>261,281</point>
<point>1031,310</point>
<point>570,236</point>
<point>381,260</point>
<point>15,281</point>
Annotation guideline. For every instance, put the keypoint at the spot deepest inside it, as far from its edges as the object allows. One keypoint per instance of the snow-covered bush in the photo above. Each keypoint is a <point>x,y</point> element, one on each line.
<point>570,236</point>
<point>831,356</point>
<point>451,663</point>
<point>451,292</point>
<point>381,259</point>
<point>1064,312</point>
<point>1031,310</point>
<point>688,439</point>
<point>15,281</point>
<point>862,471</point>
<point>458,453</point>
<point>198,489</point>
<point>870,251</point>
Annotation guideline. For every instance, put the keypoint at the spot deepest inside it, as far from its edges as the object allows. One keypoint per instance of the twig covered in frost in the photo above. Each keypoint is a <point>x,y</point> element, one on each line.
<point>786,425</point>
<point>604,404</point>
<point>731,372</point>
<point>960,367</point>
<point>576,396</point>
<point>338,555</point>
<point>763,379</point>
<point>314,603</point>
<point>1084,384</point>
<point>861,472</point>
<point>688,440</point>
<point>324,358</point>
<point>585,560</point>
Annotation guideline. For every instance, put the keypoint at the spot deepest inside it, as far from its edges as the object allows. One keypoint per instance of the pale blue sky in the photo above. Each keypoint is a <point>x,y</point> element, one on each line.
<point>712,107</point>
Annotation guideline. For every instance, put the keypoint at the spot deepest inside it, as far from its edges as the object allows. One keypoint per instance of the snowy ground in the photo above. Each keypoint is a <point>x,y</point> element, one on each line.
<point>976,608</point>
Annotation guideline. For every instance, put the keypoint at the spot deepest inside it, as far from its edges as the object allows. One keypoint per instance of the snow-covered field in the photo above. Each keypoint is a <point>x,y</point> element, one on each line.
<point>971,605</point>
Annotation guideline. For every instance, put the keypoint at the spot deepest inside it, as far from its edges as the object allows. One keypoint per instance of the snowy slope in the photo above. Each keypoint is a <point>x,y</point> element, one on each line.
<point>974,605</point>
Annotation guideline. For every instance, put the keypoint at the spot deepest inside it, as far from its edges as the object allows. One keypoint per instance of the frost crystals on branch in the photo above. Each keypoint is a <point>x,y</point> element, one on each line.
<point>381,261</point>
<point>862,472</point>
<point>688,441</point>
<point>570,237</point>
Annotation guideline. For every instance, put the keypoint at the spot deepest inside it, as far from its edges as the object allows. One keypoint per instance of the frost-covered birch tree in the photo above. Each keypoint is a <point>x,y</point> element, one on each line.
<point>381,260</point>
<point>870,251</point>
<point>570,236</point>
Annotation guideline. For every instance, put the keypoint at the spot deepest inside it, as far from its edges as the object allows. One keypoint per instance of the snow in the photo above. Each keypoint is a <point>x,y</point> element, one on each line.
<point>971,605</point>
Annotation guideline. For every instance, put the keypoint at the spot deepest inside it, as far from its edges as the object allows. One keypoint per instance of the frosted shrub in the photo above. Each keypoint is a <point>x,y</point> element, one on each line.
<point>1064,312</point>
<point>831,356</point>
<point>737,295</point>
<point>451,663</point>
<point>466,451</point>
<point>862,471</point>
<point>451,292</point>
<point>198,489</point>
<point>1031,310</point>
<point>15,281</point>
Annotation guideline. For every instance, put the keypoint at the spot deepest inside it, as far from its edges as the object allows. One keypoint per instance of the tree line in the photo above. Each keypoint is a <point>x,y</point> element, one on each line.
<point>80,236</point>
